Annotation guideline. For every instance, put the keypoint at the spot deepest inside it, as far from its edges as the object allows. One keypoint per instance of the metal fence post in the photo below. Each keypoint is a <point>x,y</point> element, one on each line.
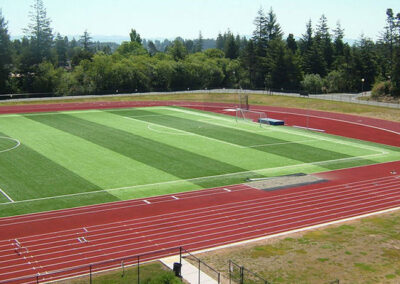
<point>180,255</point>
<point>90,274</point>
<point>241,275</point>
<point>199,270</point>
<point>230,272</point>
<point>138,269</point>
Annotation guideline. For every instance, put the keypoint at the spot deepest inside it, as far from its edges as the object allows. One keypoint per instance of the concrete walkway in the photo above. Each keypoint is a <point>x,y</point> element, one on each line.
<point>189,272</point>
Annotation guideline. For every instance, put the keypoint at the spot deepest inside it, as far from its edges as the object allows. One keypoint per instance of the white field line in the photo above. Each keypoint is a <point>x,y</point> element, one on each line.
<point>18,143</point>
<point>226,230</point>
<point>214,208</point>
<point>183,131</point>
<point>334,140</point>
<point>259,208</point>
<point>6,196</point>
<point>199,178</point>
<point>336,119</point>
<point>209,116</point>
<point>264,170</point>
<point>309,135</point>
<point>281,143</point>
<point>166,132</point>
<point>236,145</point>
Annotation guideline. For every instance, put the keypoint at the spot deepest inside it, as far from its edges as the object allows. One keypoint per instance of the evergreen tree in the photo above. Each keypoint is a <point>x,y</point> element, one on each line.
<point>324,42</point>
<point>86,41</point>
<point>5,53</point>
<point>39,32</point>
<point>199,43</point>
<point>338,40</point>
<point>152,48</point>
<point>273,29</point>
<point>260,35</point>
<point>249,61</point>
<point>135,37</point>
<point>395,75</point>
<point>291,43</point>
<point>307,39</point>
<point>61,48</point>
<point>231,48</point>
<point>220,42</point>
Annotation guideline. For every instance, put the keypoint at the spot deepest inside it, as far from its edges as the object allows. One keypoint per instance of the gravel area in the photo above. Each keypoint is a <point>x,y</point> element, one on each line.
<point>284,182</point>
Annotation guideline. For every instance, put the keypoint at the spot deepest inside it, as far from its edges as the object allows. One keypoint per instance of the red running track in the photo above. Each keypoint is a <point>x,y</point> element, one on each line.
<point>49,241</point>
<point>195,220</point>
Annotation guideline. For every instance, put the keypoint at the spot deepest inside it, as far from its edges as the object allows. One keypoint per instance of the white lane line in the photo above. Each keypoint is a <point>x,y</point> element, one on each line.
<point>146,201</point>
<point>327,202</point>
<point>255,227</point>
<point>227,189</point>
<point>257,209</point>
<point>6,196</point>
<point>174,197</point>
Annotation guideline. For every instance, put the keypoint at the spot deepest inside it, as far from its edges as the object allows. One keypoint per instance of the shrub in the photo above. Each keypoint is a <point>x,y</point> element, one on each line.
<point>312,83</point>
<point>381,89</point>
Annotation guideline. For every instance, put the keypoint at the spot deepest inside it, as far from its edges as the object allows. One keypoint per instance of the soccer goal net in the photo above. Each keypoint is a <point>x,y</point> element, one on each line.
<point>243,101</point>
<point>250,116</point>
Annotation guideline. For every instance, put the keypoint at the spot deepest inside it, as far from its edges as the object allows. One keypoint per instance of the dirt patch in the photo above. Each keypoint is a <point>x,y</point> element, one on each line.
<point>282,182</point>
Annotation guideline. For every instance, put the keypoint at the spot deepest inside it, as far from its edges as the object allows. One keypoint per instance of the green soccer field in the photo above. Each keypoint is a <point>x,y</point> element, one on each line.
<point>67,159</point>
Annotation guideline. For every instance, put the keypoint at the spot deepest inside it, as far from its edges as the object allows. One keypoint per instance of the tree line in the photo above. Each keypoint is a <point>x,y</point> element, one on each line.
<point>319,61</point>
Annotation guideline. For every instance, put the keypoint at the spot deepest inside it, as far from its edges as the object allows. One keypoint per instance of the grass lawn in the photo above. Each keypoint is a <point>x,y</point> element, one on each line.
<point>67,159</point>
<point>255,99</point>
<point>362,251</point>
<point>152,273</point>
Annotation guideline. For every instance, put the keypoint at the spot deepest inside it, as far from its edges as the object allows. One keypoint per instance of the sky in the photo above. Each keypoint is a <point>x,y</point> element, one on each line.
<point>186,18</point>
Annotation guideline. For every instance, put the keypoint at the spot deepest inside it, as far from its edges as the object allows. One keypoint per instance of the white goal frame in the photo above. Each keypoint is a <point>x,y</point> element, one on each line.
<point>249,116</point>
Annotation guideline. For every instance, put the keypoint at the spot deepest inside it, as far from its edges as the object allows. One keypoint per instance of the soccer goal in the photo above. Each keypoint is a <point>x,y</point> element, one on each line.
<point>250,116</point>
<point>243,101</point>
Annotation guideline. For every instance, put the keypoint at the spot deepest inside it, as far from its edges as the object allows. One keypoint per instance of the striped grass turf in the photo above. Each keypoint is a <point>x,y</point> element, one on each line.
<point>69,159</point>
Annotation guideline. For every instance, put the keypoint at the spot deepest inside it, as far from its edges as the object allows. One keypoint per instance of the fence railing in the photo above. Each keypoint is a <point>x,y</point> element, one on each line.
<point>358,98</point>
<point>241,275</point>
<point>89,271</point>
<point>201,267</point>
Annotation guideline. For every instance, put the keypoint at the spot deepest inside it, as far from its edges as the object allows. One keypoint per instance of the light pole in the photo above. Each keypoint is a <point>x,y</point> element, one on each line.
<point>362,86</point>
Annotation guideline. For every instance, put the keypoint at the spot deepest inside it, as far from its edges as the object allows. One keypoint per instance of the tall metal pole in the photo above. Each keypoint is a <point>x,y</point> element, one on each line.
<point>362,86</point>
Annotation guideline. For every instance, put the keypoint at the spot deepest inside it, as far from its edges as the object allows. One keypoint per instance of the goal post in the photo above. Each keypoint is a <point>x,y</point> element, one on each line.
<point>250,116</point>
<point>243,102</point>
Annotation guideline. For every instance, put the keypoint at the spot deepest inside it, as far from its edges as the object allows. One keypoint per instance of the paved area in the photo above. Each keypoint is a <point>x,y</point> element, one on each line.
<point>189,272</point>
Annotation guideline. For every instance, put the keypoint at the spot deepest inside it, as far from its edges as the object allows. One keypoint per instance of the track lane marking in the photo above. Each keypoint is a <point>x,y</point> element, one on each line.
<point>301,220</point>
<point>329,201</point>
